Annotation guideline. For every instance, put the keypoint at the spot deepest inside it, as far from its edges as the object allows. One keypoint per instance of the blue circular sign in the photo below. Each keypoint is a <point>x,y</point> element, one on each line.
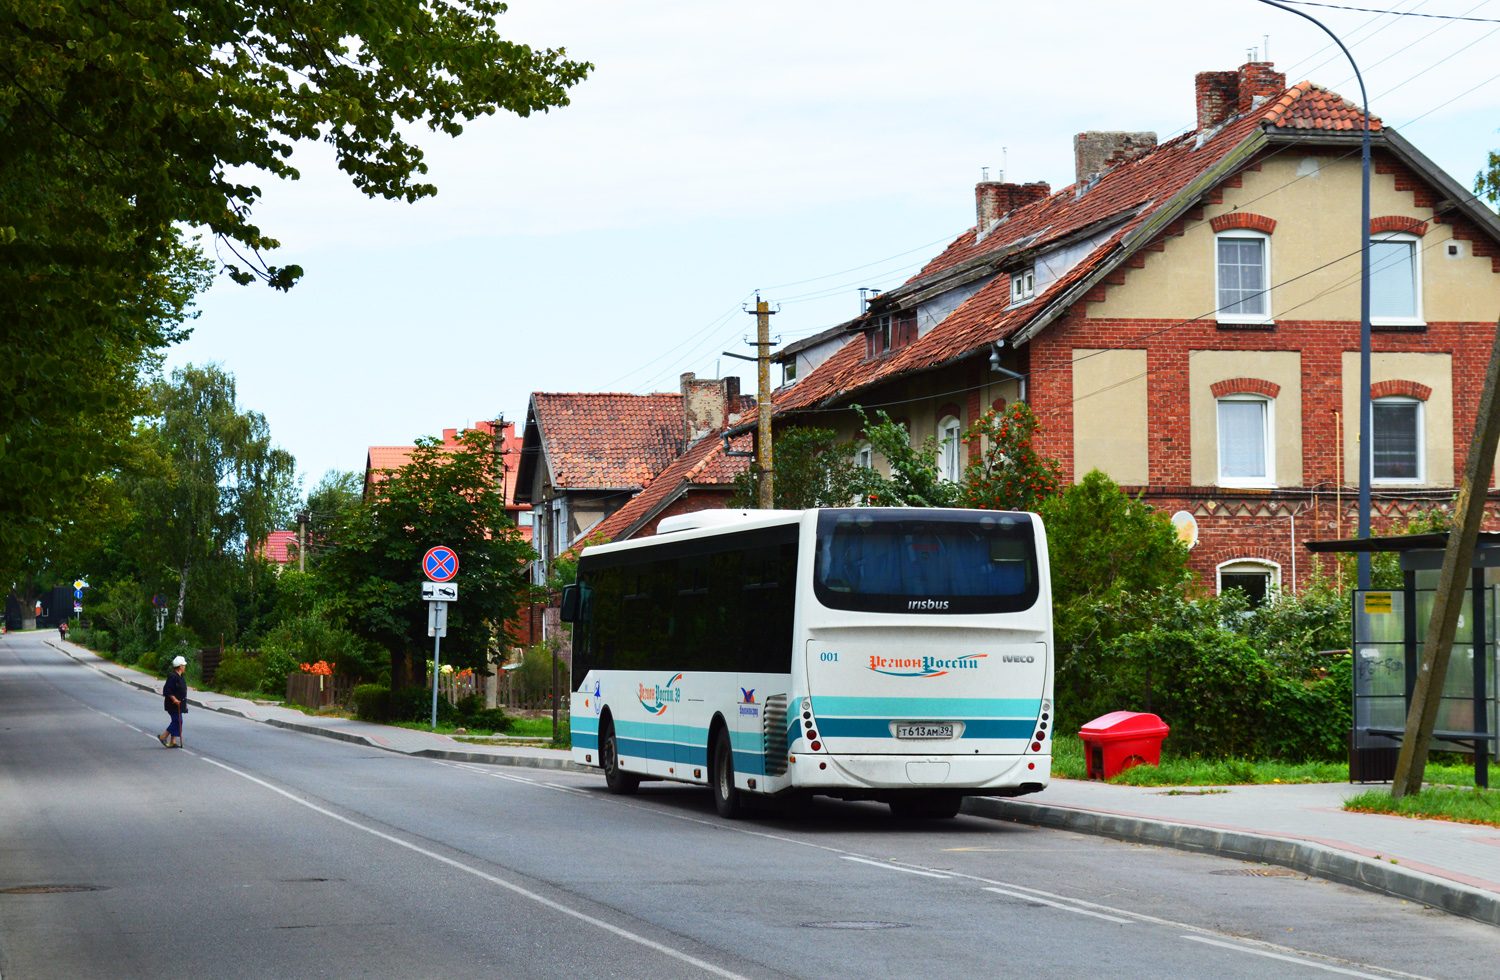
<point>440,564</point>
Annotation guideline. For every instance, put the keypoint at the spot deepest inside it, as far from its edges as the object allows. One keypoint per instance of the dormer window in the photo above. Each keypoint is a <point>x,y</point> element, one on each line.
<point>1022,286</point>
<point>891,330</point>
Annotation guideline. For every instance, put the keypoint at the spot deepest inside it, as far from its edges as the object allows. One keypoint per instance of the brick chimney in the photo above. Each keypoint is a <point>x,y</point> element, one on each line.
<point>1259,81</point>
<point>707,404</point>
<point>994,199</point>
<point>1222,95</point>
<point>1095,152</point>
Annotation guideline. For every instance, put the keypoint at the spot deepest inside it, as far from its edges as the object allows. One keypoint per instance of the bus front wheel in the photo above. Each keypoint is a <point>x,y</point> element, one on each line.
<point>726,795</point>
<point>620,782</point>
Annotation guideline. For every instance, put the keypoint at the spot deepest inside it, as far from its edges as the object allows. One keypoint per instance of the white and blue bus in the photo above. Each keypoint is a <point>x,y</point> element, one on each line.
<point>893,654</point>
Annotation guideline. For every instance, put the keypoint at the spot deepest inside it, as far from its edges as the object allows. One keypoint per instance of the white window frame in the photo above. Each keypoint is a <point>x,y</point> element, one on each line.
<point>1249,566</point>
<point>1421,477</point>
<point>864,455</point>
<point>1022,286</point>
<point>1258,483</point>
<point>1416,270</point>
<point>1223,316</point>
<point>950,441</point>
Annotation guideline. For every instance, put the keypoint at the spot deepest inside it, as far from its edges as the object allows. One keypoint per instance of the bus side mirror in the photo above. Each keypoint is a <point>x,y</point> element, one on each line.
<point>569,611</point>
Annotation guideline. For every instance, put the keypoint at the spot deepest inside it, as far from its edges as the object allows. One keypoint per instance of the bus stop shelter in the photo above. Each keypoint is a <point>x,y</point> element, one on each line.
<point>1390,626</point>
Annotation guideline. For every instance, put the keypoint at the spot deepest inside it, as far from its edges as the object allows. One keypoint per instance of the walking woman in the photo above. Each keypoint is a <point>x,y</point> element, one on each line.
<point>174,697</point>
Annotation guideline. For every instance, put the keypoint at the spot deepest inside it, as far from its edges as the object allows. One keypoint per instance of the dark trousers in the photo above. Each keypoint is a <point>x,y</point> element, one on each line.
<point>175,728</point>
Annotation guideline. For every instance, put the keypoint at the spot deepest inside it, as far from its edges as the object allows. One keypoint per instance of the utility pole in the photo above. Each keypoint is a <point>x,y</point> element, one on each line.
<point>302,541</point>
<point>1458,559</point>
<point>763,462</point>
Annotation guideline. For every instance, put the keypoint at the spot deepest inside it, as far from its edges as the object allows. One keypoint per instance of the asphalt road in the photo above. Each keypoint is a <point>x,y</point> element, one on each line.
<point>257,852</point>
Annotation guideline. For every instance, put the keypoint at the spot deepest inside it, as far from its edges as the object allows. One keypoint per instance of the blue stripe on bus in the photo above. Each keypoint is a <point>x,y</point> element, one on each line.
<point>586,740</point>
<point>928,709</point>
<point>881,727</point>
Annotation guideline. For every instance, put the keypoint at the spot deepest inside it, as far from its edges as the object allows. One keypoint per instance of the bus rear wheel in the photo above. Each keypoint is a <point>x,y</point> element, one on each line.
<point>620,782</point>
<point>726,795</point>
<point>936,805</point>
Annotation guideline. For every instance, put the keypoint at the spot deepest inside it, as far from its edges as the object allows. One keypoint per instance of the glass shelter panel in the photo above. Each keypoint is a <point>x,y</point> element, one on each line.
<point>1387,648</point>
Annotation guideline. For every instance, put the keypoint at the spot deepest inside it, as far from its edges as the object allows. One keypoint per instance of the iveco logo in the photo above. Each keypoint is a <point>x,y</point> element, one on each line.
<point>1017,658</point>
<point>927,604</point>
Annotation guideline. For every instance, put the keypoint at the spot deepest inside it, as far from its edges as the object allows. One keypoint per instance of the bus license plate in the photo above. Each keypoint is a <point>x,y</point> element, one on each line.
<point>924,731</point>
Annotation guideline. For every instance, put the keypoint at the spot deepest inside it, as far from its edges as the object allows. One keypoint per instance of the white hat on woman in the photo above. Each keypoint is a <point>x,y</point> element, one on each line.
<point>179,661</point>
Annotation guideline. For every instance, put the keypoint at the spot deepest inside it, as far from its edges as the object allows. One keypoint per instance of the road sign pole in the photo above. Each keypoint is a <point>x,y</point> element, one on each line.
<point>436,643</point>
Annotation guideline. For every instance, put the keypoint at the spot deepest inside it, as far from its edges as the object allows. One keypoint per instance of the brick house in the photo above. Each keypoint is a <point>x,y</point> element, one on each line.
<point>586,456</point>
<point>1185,318</point>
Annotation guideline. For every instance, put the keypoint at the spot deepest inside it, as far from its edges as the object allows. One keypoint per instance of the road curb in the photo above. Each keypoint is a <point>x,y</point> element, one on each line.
<point>449,755</point>
<point>1309,858</point>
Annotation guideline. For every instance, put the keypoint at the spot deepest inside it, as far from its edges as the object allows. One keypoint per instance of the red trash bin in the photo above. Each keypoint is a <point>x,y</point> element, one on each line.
<point>1121,740</point>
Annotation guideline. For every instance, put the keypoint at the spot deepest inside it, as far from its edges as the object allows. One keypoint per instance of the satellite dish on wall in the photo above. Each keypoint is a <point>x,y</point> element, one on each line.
<point>1187,528</point>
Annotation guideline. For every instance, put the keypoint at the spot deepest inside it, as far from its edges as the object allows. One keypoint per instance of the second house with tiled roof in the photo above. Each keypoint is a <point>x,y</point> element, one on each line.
<point>585,455</point>
<point>1185,318</point>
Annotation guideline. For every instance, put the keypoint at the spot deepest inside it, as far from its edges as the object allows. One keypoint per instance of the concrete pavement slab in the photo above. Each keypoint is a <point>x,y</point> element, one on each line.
<point>407,741</point>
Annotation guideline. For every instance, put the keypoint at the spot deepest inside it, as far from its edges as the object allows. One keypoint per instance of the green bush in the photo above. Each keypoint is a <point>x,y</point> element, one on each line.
<point>275,666</point>
<point>239,672</point>
<point>147,661</point>
<point>492,718</point>
<point>415,704</point>
<point>372,702</point>
<point>1222,697</point>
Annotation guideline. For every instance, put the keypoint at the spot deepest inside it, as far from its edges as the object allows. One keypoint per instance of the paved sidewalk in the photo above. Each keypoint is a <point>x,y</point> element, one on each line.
<point>404,740</point>
<point>1451,866</point>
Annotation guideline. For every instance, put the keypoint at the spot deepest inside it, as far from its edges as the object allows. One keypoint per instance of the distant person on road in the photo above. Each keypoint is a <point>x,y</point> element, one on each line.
<point>62,629</point>
<point>174,698</point>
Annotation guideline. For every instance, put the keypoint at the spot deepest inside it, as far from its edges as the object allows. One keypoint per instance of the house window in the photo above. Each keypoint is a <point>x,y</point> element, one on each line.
<point>1255,578</point>
<point>864,456</point>
<point>950,450</point>
<point>1246,448</point>
<point>1394,279</point>
<point>1022,286</point>
<point>1242,269</point>
<point>1397,445</point>
<point>789,372</point>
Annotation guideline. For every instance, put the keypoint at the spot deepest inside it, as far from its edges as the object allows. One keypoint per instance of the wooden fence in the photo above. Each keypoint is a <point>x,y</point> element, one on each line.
<point>319,690</point>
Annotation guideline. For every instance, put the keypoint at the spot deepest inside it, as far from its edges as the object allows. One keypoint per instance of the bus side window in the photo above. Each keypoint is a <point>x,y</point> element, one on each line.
<point>765,609</point>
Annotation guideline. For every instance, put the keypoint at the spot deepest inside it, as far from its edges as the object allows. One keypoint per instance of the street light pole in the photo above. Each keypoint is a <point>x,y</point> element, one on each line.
<point>1366,417</point>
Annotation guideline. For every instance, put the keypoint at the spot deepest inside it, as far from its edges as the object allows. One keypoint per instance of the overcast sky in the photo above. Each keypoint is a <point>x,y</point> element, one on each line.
<point>801,148</point>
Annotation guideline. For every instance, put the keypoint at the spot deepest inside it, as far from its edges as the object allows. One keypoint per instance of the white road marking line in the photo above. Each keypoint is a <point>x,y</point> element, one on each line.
<point>1201,930</point>
<point>1289,959</point>
<point>895,867</point>
<point>1057,905</point>
<point>542,900</point>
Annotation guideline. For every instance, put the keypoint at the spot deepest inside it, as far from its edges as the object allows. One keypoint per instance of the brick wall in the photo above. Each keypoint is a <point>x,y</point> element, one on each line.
<point>1256,523</point>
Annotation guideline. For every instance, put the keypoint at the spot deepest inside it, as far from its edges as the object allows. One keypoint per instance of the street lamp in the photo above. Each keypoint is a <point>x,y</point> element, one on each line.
<point>1366,426</point>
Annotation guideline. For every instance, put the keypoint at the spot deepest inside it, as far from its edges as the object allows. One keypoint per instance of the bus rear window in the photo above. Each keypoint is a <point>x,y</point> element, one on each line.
<point>871,560</point>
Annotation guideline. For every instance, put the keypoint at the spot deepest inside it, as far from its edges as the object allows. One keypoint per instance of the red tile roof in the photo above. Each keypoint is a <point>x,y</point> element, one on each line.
<point>704,465</point>
<point>279,546</point>
<point>381,458</point>
<point>1308,106</point>
<point>1123,201</point>
<point>607,440</point>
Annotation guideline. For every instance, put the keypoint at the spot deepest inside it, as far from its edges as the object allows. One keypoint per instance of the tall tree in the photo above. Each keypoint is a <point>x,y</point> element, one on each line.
<point>812,469</point>
<point>122,123</point>
<point>220,485</point>
<point>443,495</point>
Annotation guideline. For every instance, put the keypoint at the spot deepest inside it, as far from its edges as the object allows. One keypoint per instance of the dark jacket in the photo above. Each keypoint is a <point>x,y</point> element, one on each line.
<point>176,688</point>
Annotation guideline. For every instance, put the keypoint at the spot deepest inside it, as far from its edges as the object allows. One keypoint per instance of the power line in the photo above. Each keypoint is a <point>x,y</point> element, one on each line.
<point>1395,13</point>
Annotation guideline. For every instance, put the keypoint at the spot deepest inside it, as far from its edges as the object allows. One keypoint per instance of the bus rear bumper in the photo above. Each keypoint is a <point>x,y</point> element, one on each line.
<point>978,774</point>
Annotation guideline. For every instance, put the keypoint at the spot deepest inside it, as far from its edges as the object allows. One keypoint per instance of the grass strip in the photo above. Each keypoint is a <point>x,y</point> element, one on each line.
<point>1480,806</point>
<point>1068,763</point>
